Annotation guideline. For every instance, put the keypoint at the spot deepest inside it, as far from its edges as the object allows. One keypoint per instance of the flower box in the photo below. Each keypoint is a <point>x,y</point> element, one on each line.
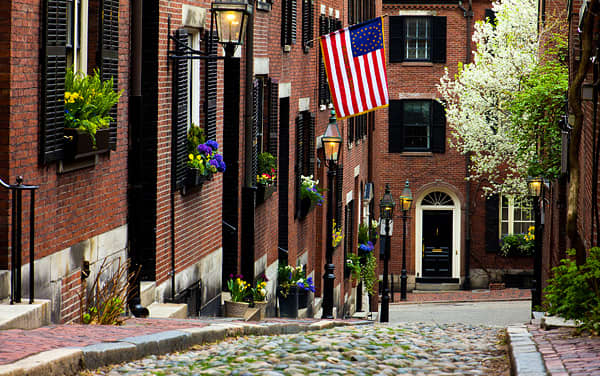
<point>306,205</point>
<point>78,143</point>
<point>264,192</point>
<point>288,305</point>
<point>194,178</point>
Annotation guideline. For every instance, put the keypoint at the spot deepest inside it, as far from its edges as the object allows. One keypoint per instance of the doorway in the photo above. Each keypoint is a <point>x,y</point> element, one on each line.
<point>437,243</point>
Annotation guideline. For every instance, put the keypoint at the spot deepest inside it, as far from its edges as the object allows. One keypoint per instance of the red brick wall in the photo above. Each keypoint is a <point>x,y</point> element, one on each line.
<point>73,206</point>
<point>70,300</point>
<point>5,32</point>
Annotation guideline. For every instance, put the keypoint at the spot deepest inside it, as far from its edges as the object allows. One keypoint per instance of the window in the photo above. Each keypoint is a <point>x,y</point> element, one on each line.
<point>357,127</point>
<point>416,125</point>
<point>266,91</point>
<point>349,245</point>
<point>417,39</point>
<point>307,24</point>
<point>193,81</point>
<point>288,24</point>
<point>326,26</point>
<point>515,217</point>
<point>360,11</point>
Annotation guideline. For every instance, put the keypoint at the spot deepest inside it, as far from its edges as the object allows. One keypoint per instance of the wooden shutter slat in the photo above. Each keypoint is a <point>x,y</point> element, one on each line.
<point>322,75</point>
<point>438,128</point>
<point>210,85</point>
<point>310,122</point>
<point>53,80</point>
<point>273,117</point>
<point>299,159</point>
<point>293,20</point>
<point>396,137</point>
<point>180,113</point>
<point>492,223</point>
<point>109,57</point>
<point>396,41</point>
<point>438,45</point>
<point>256,121</point>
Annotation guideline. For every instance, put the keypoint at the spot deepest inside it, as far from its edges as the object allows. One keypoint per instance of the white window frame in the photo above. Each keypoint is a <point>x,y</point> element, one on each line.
<point>80,38</point>
<point>511,216</point>
<point>422,44</point>
<point>194,80</point>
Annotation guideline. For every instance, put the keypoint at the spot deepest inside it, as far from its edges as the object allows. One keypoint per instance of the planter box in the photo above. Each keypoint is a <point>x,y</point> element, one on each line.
<point>264,192</point>
<point>302,298</point>
<point>78,144</point>
<point>306,205</point>
<point>288,305</point>
<point>194,178</point>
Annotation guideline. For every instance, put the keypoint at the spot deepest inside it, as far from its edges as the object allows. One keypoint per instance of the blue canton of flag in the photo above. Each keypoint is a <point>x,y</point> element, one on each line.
<point>366,37</point>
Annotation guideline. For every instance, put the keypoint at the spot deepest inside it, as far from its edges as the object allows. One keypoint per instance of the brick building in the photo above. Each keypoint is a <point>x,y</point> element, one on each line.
<point>453,233</point>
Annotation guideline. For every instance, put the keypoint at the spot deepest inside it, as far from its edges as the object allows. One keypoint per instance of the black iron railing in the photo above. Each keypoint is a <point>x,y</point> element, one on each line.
<point>16,241</point>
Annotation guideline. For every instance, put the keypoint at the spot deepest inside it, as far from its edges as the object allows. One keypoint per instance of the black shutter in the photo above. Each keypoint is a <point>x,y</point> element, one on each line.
<point>339,190</point>
<point>273,116</point>
<point>349,245</point>
<point>293,21</point>
<point>332,25</point>
<point>285,22</point>
<point>396,136</point>
<point>492,224</point>
<point>299,158</point>
<point>307,24</point>
<point>338,24</point>
<point>490,16</point>
<point>309,130</point>
<point>438,128</point>
<point>438,36</point>
<point>109,55</point>
<point>54,68</point>
<point>180,113</point>
<point>210,85</point>
<point>397,34</point>
<point>322,75</point>
<point>256,122</point>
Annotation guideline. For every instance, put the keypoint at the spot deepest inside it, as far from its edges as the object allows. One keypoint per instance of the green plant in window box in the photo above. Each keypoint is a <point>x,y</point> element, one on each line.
<point>203,156</point>
<point>88,101</point>
<point>518,244</point>
<point>267,169</point>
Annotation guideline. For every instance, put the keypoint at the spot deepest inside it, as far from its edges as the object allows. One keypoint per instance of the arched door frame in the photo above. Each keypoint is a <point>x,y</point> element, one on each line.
<point>456,229</point>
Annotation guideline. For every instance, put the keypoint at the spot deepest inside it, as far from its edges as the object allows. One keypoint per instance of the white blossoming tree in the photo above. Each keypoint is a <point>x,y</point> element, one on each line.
<point>478,98</point>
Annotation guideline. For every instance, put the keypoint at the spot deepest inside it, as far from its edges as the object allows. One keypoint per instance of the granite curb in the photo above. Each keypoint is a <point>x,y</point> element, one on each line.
<point>71,360</point>
<point>525,359</point>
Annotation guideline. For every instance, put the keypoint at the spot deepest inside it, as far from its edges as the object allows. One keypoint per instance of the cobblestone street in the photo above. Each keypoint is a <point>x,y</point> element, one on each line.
<point>415,349</point>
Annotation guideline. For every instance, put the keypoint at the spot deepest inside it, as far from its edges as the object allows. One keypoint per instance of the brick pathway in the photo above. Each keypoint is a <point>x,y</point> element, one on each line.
<point>565,354</point>
<point>464,296</point>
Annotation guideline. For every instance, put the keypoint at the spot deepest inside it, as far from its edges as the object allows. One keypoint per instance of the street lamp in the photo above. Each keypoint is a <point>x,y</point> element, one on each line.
<point>406,201</point>
<point>231,19</point>
<point>332,140</point>
<point>535,184</point>
<point>386,212</point>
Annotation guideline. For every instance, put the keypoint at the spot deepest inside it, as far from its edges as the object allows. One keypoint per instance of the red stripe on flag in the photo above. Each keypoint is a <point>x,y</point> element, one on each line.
<point>325,45</point>
<point>348,64</point>
<point>337,65</point>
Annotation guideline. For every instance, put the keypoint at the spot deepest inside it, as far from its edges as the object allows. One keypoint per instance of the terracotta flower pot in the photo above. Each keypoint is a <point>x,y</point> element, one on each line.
<point>235,309</point>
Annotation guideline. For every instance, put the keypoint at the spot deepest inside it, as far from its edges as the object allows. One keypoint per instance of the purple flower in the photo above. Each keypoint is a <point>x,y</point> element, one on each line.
<point>219,157</point>
<point>212,144</point>
<point>204,149</point>
<point>221,167</point>
<point>214,163</point>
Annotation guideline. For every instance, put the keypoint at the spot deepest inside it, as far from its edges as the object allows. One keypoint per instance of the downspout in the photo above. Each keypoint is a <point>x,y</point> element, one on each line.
<point>468,14</point>
<point>249,189</point>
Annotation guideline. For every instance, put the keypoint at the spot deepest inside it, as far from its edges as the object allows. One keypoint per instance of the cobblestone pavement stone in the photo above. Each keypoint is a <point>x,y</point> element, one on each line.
<point>412,349</point>
<point>565,354</point>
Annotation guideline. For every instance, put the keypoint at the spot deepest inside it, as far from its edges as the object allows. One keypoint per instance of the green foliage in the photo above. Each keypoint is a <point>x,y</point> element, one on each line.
<point>88,100</point>
<point>238,288</point>
<point>537,109</point>
<point>195,137</point>
<point>368,272</point>
<point>574,291</point>
<point>267,163</point>
<point>518,244</point>
<point>353,263</point>
<point>363,233</point>
<point>288,277</point>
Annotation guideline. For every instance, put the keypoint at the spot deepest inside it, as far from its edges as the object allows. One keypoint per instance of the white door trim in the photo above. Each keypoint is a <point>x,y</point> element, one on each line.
<point>456,230</point>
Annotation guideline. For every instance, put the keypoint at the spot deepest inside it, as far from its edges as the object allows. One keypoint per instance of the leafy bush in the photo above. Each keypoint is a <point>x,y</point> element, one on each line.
<point>574,291</point>
<point>88,100</point>
<point>518,244</point>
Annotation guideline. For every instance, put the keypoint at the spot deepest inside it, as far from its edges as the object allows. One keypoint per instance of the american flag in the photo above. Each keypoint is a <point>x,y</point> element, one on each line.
<point>354,59</point>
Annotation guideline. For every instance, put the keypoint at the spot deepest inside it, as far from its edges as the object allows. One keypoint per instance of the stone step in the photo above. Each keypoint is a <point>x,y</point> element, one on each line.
<point>147,292</point>
<point>25,315</point>
<point>168,310</point>
<point>428,287</point>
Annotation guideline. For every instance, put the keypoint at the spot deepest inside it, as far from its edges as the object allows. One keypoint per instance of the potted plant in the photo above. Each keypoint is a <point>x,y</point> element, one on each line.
<point>305,285</point>
<point>239,290</point>
<point>310,195</point>
<point>259,295</point>
<point>518,244</point>
<point>373,231</point>
<point>88,101</point>
<point>336,235</point>
<point>203,158</point>
<point>287,290</point>
<point>266,177</point>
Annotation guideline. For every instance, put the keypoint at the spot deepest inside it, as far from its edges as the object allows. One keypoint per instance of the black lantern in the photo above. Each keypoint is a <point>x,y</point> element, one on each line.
<point>231,18</point>
<point>332,140</point>
<point>406,197</point>
<point>406,201</point>
<point>386,212</point>
<point>387,204</point>
<point>534,184</point>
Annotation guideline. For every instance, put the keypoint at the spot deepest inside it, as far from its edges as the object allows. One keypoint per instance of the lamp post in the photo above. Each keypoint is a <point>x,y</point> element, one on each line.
<point>535,192</point>
<point>386,212</point>
<point>406,201</point>
<point>231,20</point>
<point>332,140</point>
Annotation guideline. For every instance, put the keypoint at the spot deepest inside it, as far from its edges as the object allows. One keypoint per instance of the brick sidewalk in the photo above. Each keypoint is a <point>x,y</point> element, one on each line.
<point>565,354</point>
<point>464,296</point>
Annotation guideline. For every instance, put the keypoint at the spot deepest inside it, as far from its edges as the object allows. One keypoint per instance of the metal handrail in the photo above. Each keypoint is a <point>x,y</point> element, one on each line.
<point>16,238</point>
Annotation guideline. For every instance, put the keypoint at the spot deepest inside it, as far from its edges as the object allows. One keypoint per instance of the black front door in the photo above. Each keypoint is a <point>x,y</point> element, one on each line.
<point>437,243</point>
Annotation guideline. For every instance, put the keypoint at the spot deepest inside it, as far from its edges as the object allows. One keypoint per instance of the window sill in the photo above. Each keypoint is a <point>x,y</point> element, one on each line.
<point>416,64</point>
<point>417,154</point>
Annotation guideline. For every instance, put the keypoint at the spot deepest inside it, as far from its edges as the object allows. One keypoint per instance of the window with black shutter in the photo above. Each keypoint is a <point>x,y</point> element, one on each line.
<point>416,125</point>
<point>109,56</point>
<point>180,113</point>
<point>307,24</point>
<point>417,39</point>
<point>349,245</point>
<point>492,223</point>
<point>210,89</point>
<point>324,95</point>
<point>266,114</point>
<point>288,23</point>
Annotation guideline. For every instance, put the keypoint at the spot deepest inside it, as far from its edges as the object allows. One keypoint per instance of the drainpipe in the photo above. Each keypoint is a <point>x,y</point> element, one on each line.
<point>468,14</point>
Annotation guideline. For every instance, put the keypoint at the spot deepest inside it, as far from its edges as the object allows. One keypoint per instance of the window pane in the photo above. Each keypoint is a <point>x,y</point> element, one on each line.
<point>504,229</point>
<point>416,116</point>
<point>417,38</point>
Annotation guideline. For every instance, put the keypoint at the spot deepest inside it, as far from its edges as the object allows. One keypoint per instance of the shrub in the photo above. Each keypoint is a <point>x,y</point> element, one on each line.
<point>574,291</point>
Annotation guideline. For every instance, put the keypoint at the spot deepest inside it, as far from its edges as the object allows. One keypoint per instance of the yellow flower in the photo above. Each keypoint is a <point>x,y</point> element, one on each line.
<point>191,156</point>
<point>199,157</point>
